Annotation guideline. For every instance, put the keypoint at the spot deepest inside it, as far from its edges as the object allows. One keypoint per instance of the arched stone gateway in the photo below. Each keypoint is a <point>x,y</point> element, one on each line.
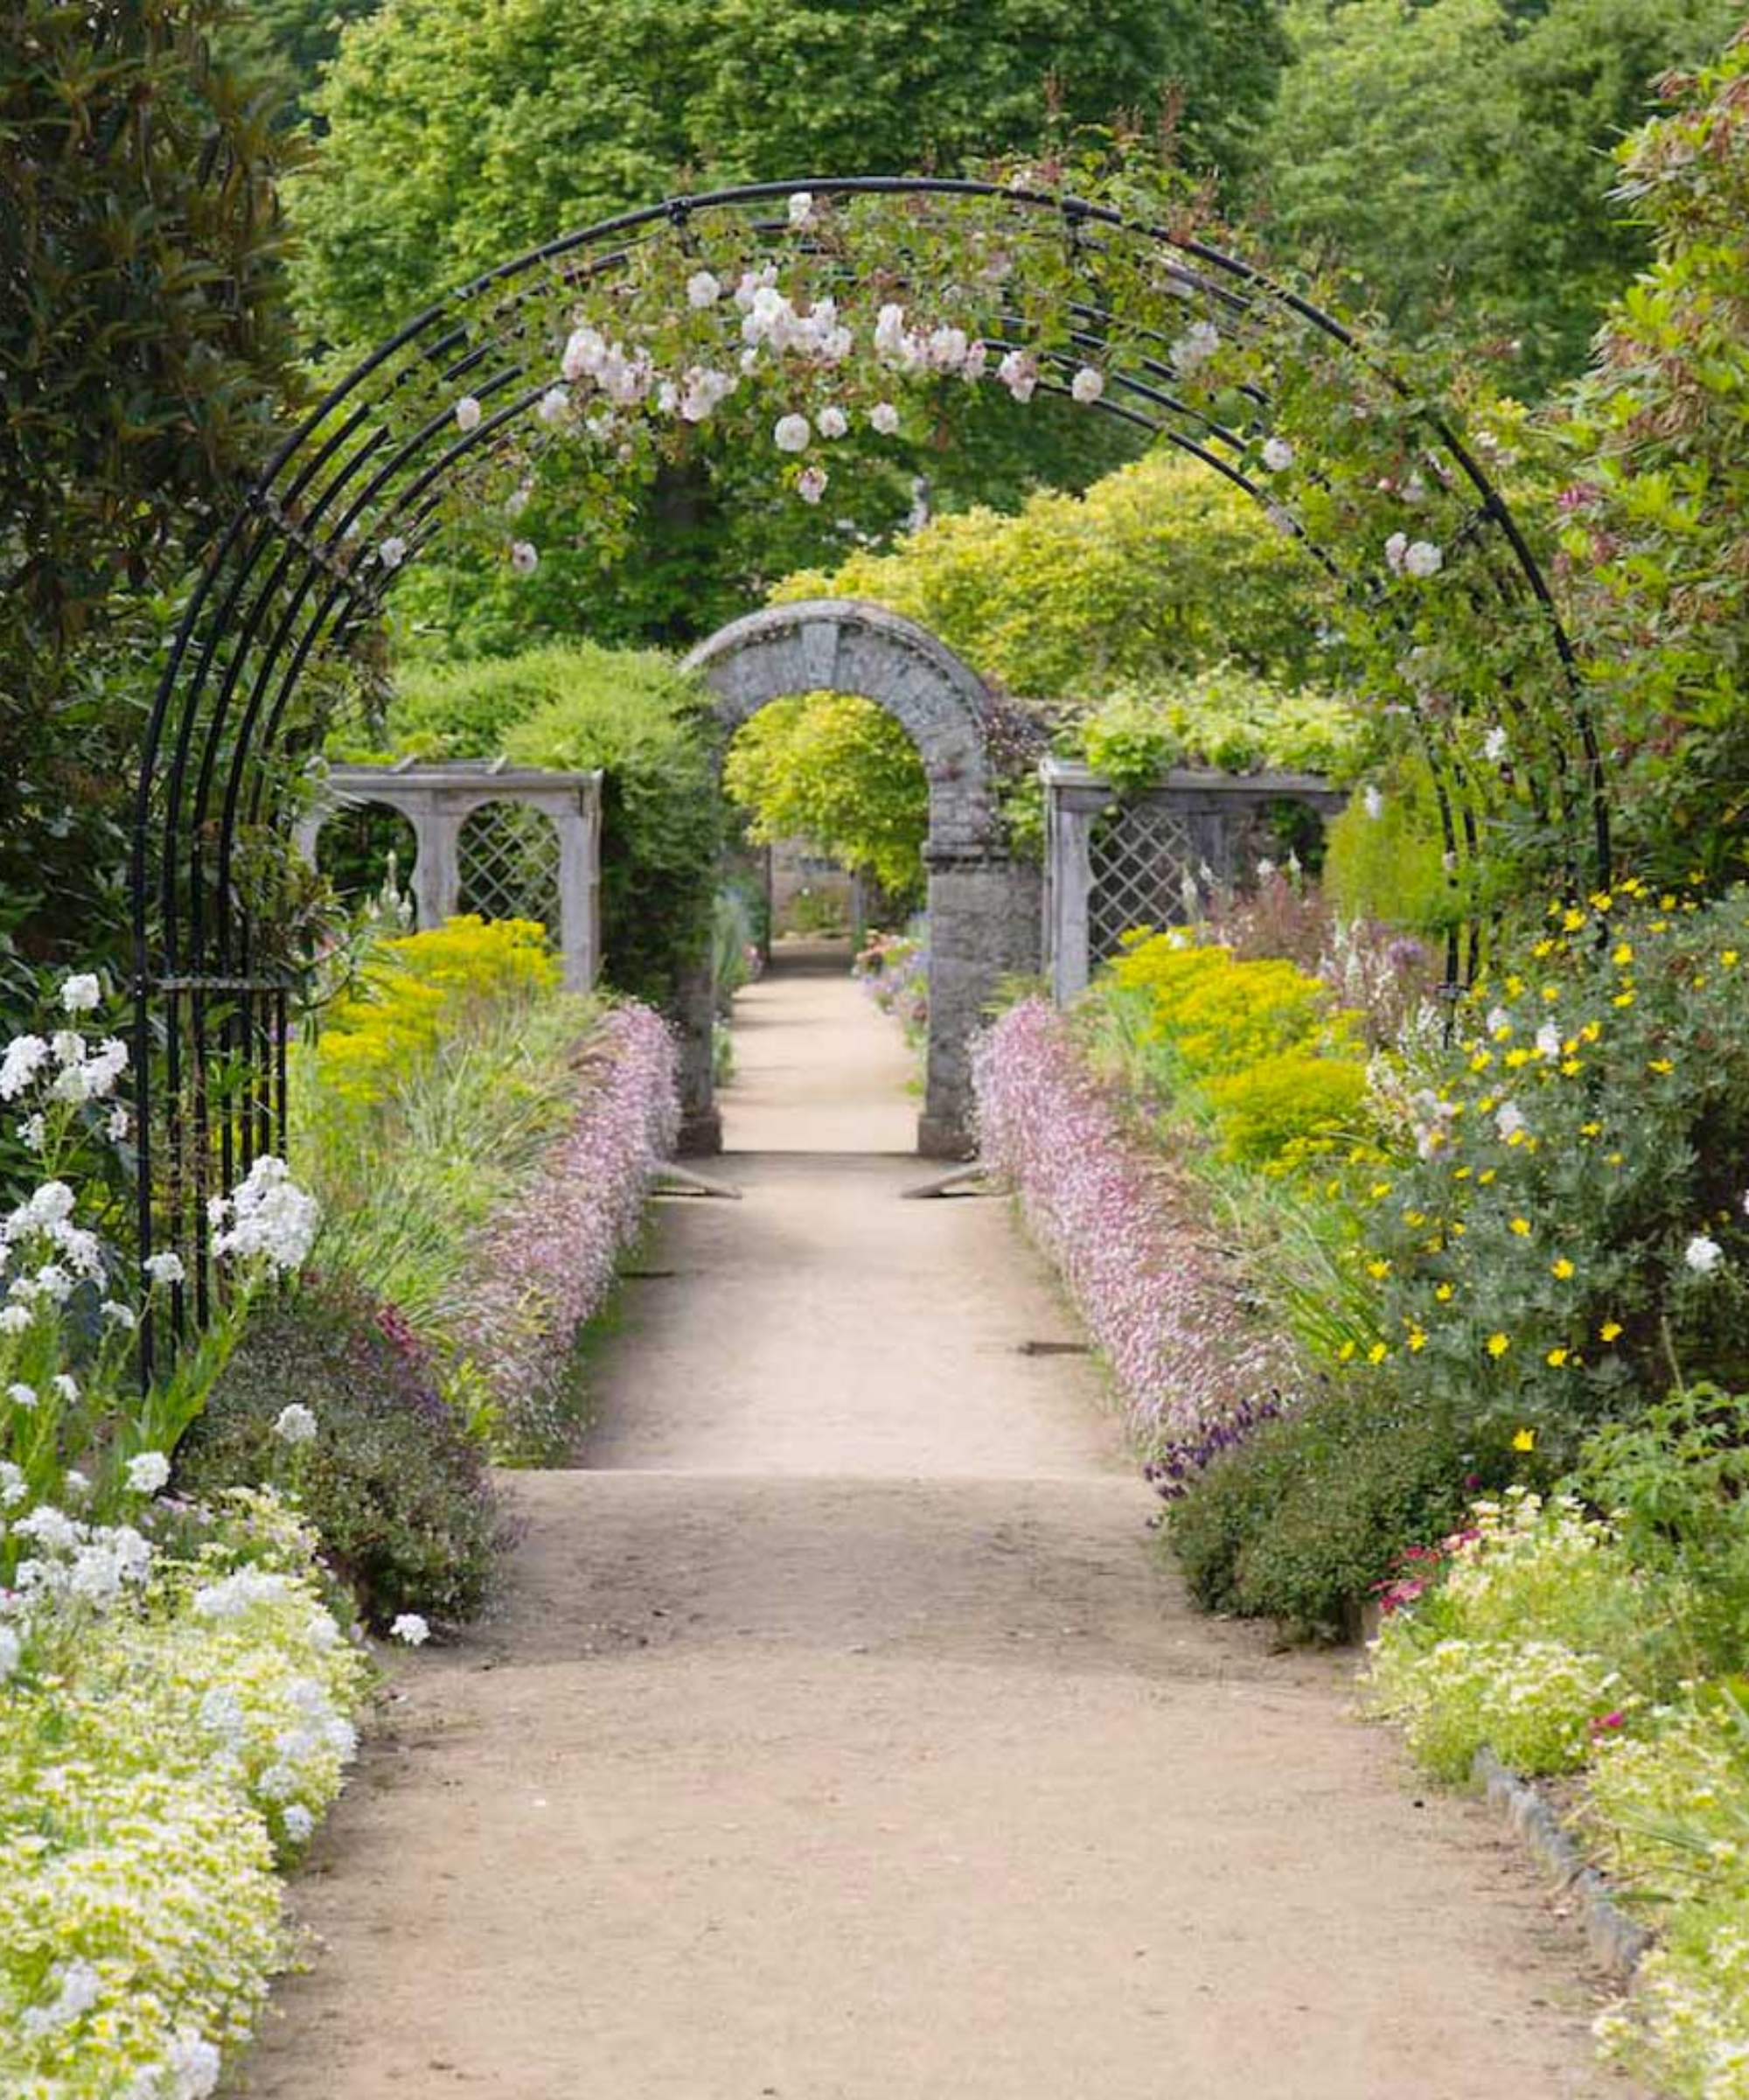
<point>984,906</point>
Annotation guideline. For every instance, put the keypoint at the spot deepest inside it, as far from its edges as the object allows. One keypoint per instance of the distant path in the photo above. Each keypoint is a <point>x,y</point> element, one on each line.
<point>840,1740</point>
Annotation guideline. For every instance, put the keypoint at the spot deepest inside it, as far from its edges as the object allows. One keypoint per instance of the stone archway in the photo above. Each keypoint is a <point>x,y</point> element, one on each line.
<point>984,905</point>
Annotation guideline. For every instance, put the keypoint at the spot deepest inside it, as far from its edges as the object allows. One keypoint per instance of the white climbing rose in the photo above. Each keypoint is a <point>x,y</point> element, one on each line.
<point>703,290</point>
<point>524,559</point>
<point>791,434</point>
<point>884,417</point>
<point>1278,455</point>
<point>468,413</point>
<point>832,423</point>
<point>810,485</point>
<point>1088,384</point>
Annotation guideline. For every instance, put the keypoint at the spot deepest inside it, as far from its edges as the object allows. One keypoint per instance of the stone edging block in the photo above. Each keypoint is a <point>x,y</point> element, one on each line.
<point>1615,1941</point>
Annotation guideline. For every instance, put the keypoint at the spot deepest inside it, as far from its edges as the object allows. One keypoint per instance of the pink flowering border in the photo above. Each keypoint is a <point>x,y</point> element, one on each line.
<point>546,1265</point>
<point>1161,1299</point>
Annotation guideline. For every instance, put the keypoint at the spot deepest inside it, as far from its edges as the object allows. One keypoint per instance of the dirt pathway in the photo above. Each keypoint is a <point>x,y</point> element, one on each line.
<point>840,1739</point>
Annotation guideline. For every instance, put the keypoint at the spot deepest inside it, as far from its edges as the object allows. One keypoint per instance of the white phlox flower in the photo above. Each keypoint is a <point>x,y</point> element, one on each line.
<point>266,1216</point>
<point>82,994</point>
<point>410,1629</point>
<point>148,1473</point>
<point>166,1268</point>
<point>1372,802</point>
<point>78,1989</point>
<point>295,1424</point>
<point>24,1058</point>
<point>1494,744</point>
<point>1703,1255</point>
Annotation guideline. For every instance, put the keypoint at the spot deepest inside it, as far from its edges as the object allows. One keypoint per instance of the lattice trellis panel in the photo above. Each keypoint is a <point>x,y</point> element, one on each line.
<point>1144,861</point>
<point>507,856</point>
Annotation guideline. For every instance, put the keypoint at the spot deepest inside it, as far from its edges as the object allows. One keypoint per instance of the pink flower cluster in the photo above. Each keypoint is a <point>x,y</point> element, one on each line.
<point>547,1263</point>
<point>1161,1300</point>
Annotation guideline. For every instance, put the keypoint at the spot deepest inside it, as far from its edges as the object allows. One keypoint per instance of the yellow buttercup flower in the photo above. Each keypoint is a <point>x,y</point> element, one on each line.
<point>1379,1270</point>
<point>1623,954</point>
<point>1487,1175</point>
<point>1378,1353</point>
<point>1661,1065</point>
<point>1522,1227</point>
<point>1346,1353</point>
<point>1601,899</point>
<point>1611,1330</point>
<point>1497,1346</point>
<point>1572,920</point>
<point>1591,1130</point>
<point>1623,999</point>
<point>1557,1358</point>
<point>1563,1269</point>
<point>1524,1440</point>
<point>1445,1293</point>
<point>1729,959</point>
<point>1418,1339</point>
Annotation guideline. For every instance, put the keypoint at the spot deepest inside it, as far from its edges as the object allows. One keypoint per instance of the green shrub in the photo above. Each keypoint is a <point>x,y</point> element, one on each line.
<point>1568,1238</point>
<point>574,706</point>
<point>1307,1518</point>
<point>400,1496</point>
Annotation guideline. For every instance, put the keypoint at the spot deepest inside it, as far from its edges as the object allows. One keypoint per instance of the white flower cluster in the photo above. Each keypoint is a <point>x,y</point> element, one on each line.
<point>1417,558</point>
<point>158,1759</point>
<point>75,1071</point>
<point>267,1218</point>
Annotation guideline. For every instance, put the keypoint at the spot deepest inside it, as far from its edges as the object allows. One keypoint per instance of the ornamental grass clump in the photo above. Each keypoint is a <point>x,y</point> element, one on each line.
<point>1160,1297</point>
<point>546,1264</point>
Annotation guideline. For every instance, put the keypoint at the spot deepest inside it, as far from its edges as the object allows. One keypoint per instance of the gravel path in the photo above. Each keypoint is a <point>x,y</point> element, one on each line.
<point>839,1739</point>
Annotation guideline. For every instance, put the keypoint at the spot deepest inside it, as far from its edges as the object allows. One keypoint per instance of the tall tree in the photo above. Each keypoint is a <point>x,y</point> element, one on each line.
<point>145,350</point>
<point>459,135</point>
<point>1455,153</point>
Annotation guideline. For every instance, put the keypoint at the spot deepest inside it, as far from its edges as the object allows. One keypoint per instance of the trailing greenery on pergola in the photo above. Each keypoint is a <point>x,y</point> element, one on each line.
<point>783,316</point>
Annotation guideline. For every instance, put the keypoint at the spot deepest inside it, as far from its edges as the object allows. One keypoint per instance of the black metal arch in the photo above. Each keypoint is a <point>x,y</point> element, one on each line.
<point>294,580</point>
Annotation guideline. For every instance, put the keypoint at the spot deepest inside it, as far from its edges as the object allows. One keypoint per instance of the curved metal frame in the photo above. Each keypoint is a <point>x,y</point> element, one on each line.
<point>281,589</point>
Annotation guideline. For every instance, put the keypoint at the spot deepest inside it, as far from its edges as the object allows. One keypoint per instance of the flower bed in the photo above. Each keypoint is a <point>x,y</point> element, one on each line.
<point>1159,1298</point>
<point>546,1264</point>
<point>175,1719</point>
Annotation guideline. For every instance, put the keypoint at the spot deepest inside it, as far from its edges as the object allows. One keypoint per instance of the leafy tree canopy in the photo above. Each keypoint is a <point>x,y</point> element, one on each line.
<point>462,135</point>
<point>1656,540</point>
<point>1455,154</point>
<point>838,771</point>
<point>1158,569</point>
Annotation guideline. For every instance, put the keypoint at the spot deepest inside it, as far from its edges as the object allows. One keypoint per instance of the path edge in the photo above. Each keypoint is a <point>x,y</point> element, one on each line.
<point>1617,1942</point>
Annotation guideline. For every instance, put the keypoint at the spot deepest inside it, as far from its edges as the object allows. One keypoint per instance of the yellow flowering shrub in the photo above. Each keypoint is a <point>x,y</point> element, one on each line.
<point>1275,1109</point>
<point>1264,1044</point>
<point>417,988</point>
